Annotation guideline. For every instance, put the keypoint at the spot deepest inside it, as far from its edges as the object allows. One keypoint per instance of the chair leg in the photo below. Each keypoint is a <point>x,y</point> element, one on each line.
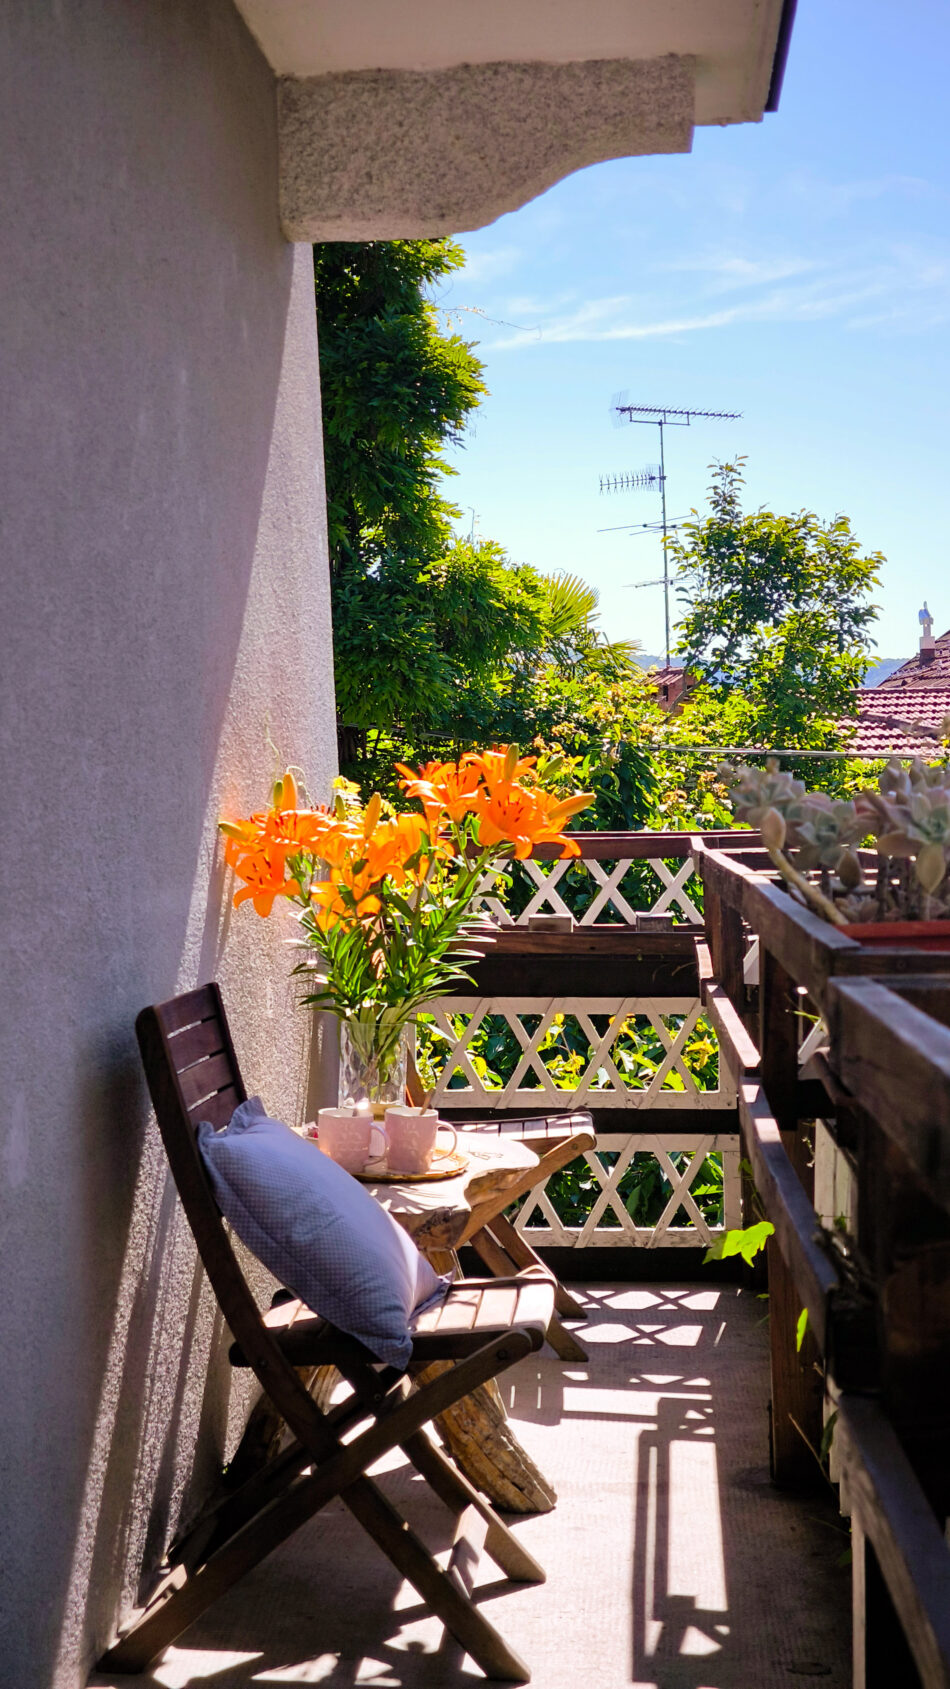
<point>444,1592</point>
<point>457,1492</point>
<point>185,1594</point>
<point>523,1255</point>
<point>500,1261</point>
<point>182,1599</point>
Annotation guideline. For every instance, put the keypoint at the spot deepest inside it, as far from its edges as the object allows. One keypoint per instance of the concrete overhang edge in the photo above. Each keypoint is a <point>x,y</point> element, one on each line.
<point>397,154</point>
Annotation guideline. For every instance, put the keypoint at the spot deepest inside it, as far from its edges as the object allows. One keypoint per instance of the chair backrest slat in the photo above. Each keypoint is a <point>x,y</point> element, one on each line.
<point>196,1042</point>
<point>203,1078</point>
<point>183,1092</point>
<point>184,1011</point>
<point>218,1109</point>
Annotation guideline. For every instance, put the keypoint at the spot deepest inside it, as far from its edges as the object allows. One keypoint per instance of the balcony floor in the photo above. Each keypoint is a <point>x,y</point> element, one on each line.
<point>672,1563</point>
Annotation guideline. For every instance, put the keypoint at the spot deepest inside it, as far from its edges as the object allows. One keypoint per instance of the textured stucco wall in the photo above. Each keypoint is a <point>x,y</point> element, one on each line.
<point>164,609</point>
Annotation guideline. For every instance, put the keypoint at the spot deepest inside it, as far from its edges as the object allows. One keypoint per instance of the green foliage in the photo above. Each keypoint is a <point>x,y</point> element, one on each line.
<point>801,1327</point>
<point>396,390</point>
<point>441,644</point>
<point>776,619</point>
<point>746,1242</point>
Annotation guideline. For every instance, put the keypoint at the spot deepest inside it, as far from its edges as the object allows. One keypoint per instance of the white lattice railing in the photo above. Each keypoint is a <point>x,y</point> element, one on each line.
<point>535,1085</point>
<point>602,1084</point>
<point>671,894</point>
<point>536,1082</point>
<point>610,1225</point>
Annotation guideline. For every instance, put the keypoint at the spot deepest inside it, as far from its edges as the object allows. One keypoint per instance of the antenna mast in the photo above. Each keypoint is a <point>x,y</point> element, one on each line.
<point>661,417</point>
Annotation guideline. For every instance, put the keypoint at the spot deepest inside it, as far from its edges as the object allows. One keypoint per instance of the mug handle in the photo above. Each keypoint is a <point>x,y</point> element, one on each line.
<point>378,1154</point>
<point>446,1126</point>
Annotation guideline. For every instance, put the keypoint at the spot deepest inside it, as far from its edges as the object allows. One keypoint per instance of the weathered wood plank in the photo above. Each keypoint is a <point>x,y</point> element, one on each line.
<point>895,1061</point>
<point>810,949</point>
<point>788,1208</point>
<point>178,1012</point>
<point>203,1039</point>
<point>738,1046</point>
<point>893,1512</point>
<point>588,962</point>
<point>678,1125</point>
<point>205,1078</point>
<point>796,1379</point>
<point>613,847</point>
<point>219,1107</point>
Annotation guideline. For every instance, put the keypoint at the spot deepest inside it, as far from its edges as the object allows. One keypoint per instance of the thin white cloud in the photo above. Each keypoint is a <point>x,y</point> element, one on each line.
<point>484,267</point>
<point>838,197</point>
<point>903,286</point>
<point>732,271</point>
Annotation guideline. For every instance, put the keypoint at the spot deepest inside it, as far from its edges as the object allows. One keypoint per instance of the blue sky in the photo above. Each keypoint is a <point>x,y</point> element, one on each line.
<point>796,270</point>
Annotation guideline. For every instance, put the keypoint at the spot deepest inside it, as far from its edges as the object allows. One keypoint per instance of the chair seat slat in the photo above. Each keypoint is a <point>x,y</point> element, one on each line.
<point>499,1305</point>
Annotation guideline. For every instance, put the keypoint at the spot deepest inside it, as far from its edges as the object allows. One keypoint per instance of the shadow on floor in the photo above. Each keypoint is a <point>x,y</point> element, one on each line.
<point>672,1562</point>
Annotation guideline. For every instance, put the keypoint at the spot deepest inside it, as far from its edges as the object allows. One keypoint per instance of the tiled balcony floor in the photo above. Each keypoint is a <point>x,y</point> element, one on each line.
<point>671,1561</point>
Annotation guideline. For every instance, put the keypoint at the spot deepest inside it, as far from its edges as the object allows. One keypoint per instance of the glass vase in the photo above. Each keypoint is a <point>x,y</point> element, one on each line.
<point>365,1075</point>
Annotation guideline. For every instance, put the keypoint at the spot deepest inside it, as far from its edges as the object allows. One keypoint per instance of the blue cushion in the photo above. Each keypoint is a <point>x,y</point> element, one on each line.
<point>318,1231</point>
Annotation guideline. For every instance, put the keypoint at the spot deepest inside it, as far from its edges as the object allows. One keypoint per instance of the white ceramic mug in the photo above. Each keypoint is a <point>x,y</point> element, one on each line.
<point>412,1135</point>
<point>346,1135</point>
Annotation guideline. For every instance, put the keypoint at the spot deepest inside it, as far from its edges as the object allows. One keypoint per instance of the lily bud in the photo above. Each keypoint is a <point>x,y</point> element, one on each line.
<point>772,828</point>
<point>511,761</point>
<point>371,816</point>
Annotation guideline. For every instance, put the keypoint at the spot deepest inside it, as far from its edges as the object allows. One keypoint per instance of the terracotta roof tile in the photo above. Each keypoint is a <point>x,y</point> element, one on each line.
<point>887,717</point>
<point>914,674</point>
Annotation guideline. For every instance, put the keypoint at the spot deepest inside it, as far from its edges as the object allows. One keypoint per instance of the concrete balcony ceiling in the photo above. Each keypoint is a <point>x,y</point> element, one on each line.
<point>406,120</point>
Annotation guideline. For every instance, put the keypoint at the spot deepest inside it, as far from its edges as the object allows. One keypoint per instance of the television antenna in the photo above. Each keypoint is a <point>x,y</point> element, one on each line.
<point>654,476</point>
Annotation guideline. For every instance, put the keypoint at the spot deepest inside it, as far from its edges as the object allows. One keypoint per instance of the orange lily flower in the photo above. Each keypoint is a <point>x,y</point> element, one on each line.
<point>510,814</point>
<point>263,874</point>
<point>442,787</point>
<point>500,765</point>
<point>299,829</point>
<point>242,838</point>
<point>333,908</point>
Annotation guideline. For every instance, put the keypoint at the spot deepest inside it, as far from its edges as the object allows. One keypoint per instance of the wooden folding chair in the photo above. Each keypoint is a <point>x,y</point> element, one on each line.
<point>480,1329</point>
<point>556,1139</point>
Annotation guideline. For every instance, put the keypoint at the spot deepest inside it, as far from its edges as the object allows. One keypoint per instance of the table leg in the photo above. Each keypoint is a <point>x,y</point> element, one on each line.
<point>479,1437</point>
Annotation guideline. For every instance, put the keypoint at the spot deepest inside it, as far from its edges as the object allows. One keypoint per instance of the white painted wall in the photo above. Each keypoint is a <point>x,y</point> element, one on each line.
<point>164,608</point>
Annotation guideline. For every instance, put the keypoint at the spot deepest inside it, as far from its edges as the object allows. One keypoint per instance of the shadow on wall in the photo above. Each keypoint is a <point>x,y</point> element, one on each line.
<point>169,475</point>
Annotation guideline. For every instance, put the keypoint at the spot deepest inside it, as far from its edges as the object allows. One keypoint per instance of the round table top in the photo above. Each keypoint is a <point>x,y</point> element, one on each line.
<point>436,1211</point>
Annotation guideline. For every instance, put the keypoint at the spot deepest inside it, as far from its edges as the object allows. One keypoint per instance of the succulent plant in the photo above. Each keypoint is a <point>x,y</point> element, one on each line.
<point>908,816</point>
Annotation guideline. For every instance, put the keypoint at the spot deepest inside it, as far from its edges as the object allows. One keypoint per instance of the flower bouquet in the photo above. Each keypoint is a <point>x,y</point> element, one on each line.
<point>387,901</point>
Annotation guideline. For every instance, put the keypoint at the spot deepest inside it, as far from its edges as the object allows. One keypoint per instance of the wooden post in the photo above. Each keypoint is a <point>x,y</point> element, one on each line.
<point>797,1382</point>
<point>724,935</point>
<point>906,1236</point>
<point>881,1657</point>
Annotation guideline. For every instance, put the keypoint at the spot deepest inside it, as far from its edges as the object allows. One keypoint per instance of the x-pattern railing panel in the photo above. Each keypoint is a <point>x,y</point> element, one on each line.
<point>663,1146</point>
<point>546,899</point>
<point>600,1084</point>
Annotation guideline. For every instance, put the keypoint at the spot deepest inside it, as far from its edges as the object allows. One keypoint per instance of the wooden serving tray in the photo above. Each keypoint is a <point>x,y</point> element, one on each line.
<point>447,1166</point>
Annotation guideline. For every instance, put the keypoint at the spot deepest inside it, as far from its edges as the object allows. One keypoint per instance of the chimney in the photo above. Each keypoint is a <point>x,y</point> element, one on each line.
<point>927,646</point>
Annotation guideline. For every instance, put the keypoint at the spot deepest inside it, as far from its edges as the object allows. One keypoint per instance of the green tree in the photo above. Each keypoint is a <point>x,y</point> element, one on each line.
<point>777,616</point>
<point>396,390</point>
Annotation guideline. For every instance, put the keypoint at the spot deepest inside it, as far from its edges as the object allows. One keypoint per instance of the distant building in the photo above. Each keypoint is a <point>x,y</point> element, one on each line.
<point>672,684</point>
<point>904,715</point>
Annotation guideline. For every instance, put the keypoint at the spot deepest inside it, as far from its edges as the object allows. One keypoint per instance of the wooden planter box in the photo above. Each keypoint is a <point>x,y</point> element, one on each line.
<point>809,950</point>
